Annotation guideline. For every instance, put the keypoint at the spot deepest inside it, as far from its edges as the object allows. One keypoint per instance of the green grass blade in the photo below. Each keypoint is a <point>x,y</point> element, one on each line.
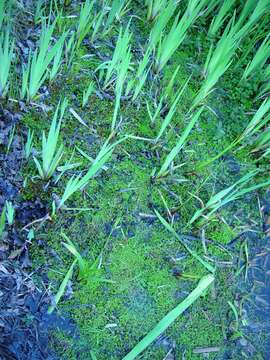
<point>219,19</point>
<point>62,287</point>
<point>71,248</point>
<point>169,159</point>
<point>203,284</point>
<point>2,221</point>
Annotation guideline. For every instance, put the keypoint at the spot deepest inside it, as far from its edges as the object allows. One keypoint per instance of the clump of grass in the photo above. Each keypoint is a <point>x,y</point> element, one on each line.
<point>259,60</point>
<point>72,249</point>
<point>51,153</point>
<point>218,61</point>
<point>227,195</point>
<point>62,288</point>
<point>85,21</point>
<point>2,12</point>
<point>28,146</point>
<point>87,271</point>
<point>6,55</point>
<point>76,183</point>
<point>37,69</point>
<point>136,83</point>
<point>116,69</point>
<point>190,251</point>
<point>97,23</point>
<point>169,43</point>
<point>160,24</point>
<point>257,122</point>
<point>154,7</point>
<point>113,66</point>
<point>2,222</point>
<point>172,110</point>
<point>221,17</point>
<point>251,13</point>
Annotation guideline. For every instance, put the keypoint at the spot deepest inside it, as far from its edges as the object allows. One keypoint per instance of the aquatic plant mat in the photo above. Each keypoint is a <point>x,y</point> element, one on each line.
<point>134,179</point>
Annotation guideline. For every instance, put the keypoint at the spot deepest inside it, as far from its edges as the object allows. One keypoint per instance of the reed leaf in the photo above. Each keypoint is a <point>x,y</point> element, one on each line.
<point>171,41</point>
<point>202,286</point>
<point>227,195</point>
<point>218,61</point>
<point>172,110</point>
<point>62,288</point>
<point>179,145</point>
<point>6,55</point>
<point>261,57</point>
<point>51,154</point>
<point>221,17</point>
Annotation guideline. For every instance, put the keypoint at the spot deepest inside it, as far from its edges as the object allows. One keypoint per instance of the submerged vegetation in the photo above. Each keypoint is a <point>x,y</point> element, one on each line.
<point>139,138</point>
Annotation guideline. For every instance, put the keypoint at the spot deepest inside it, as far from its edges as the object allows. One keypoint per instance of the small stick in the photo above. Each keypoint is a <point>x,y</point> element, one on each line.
<point>206,350</point>
<point>43,219</point>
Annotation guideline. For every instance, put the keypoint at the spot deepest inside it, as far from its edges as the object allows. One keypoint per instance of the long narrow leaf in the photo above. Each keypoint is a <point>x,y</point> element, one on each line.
<point>203,284</point>
<point>62,287</point>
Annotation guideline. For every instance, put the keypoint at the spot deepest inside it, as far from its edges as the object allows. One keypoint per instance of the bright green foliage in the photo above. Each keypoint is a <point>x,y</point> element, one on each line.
<point>62,287</point>
<point>122,64</point>
<point>51,153</point>
<point>85,21</point>
<point>97,24</point>
<point>171,41</point>
<point>258,131</point>
<point>122,72</point>
<point>105,202</point>
<point>117,9</point>
<point>263,142</point>
<point>260,118</point>
<point>227,195</point>
<point>76,183</point>
<point>2,12</point>
<point>158,108</point>
<point>6,55</point>
<point>2,221</point>
<point>39,11</point>
<point>36,71</point>
<point>71,248</point>
<point>258,121</point>
<point>136,83</point>
<point>253,10</point>
<point>117,68</point>
<point>154,7</point>
<point>57,60</point>
<point>260,58</point>
<point>160,24</point>
<point>121,51</point>
<point>220,18</point>
<point>218,61</point>
<point>265,88</point>
<point>168,92</point>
